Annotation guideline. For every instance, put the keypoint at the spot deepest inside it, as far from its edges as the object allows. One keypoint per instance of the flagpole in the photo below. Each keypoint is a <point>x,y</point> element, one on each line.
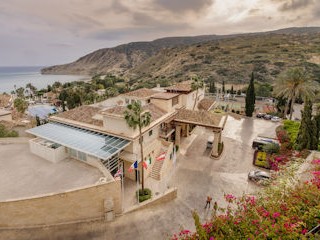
<point>138,177</point>
<point>122,184</point>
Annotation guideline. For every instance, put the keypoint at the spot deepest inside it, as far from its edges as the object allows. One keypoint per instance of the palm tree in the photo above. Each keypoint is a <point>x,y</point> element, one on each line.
<point>136,117</point>
<point>294,83</point>
<point>195,85</point>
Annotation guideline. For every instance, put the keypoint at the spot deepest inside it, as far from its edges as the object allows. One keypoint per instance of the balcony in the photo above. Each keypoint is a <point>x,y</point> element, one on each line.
<point>166,132</point>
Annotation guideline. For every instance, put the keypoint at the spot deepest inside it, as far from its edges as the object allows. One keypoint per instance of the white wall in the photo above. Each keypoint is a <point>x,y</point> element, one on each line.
<point>50,154</point>
<point>118,125</point>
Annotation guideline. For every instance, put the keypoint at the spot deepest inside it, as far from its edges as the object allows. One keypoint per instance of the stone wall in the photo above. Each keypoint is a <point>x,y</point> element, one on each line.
<point>92,202</point>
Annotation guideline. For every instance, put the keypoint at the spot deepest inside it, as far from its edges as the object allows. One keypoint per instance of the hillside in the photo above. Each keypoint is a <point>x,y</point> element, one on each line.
<point>123,57</point>
<point>224,57</point>
<point>233,59</point>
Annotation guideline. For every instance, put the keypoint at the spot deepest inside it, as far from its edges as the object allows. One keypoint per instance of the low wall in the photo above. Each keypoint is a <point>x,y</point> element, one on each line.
<point>167,196</point>
<point>92,202</point>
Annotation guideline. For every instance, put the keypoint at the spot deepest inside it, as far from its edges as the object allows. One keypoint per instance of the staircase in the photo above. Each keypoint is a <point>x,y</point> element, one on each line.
<point>156,169</point>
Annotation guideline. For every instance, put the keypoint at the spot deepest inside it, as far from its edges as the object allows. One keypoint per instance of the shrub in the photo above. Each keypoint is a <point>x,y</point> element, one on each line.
<point>271,148</point>
<point>281,211</point>
<point>282,135</point>
<point>4,132</point>
<point>237,112</point>
<point>292,129</point>
<point>144,195</point>
<point>220,148</point>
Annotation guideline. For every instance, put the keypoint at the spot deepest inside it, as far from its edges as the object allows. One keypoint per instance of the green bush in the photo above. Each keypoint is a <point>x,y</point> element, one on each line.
<point>220,148</point>
<point>271,148</point>
<point>7,133</point>
<point>177,148</point>
<point>144,195</point>
<point>292,128</point>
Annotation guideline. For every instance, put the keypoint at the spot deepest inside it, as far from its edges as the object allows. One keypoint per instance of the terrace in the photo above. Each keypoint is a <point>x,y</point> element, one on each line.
<point>24,175</point>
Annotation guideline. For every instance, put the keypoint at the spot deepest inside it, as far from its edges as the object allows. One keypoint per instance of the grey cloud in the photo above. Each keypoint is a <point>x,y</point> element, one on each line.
<point>291,5</point>
<point>115,7</point>
<point>179,6</point>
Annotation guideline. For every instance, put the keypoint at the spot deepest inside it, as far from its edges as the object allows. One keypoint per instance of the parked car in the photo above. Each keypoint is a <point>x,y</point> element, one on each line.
<point>260,115</point>
<point>257,175</point>
<point>275,119</point>
<point>267,117</point>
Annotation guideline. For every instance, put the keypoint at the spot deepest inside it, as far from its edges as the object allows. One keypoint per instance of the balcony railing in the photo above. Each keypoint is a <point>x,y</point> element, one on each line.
<point>166,132</point>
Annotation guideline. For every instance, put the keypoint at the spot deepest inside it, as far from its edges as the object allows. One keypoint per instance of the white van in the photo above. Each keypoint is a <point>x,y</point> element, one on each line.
<point>210,141</point>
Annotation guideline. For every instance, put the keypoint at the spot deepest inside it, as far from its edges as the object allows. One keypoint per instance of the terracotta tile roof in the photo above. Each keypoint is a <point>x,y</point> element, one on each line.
<point>4,100</point>
<point>205,104</point>
<point>156,112</point>
<point>83,114</point>
<point>203,118</point>
<point>180,87</point>
<point>141,93</point>
<point>165,95</point>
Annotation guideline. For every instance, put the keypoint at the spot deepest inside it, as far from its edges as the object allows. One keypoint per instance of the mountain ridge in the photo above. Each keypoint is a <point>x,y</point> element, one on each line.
<point>127,59</point>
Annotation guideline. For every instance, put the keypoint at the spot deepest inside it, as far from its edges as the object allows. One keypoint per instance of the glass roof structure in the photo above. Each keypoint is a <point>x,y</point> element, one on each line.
<point>96,144</point>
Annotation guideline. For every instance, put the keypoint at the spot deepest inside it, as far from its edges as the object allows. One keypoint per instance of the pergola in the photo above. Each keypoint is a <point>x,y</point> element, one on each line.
<point>206,119</point>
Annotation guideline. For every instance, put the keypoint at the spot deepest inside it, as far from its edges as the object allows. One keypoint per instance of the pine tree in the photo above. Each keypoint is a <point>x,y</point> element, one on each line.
<point>250,97</point>
<point>307,136</point>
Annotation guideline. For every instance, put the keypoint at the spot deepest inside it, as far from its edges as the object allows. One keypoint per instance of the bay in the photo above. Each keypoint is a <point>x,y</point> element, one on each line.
<point>15,77</point>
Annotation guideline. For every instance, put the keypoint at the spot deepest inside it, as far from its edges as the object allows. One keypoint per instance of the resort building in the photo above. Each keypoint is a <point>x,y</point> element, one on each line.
<point>100,136</point>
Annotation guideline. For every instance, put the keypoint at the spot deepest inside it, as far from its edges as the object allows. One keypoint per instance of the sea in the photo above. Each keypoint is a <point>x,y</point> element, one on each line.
<point>15,77</point>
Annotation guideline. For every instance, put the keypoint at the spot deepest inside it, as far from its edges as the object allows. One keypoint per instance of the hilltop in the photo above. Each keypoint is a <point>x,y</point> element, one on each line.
<point>223,57</point>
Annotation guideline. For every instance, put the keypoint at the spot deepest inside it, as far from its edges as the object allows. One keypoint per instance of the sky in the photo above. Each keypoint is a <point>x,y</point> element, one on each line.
<point>48,32</point>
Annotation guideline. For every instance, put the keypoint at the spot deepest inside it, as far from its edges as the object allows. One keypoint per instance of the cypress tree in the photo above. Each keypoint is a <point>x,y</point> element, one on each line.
<point>232,89</point>
<point>307,135</point>
<point>250,97</point>
<point>223,88</point>
<point>213,87</point>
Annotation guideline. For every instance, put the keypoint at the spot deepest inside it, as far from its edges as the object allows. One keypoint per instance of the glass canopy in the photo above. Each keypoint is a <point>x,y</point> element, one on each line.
<point>100,145</point>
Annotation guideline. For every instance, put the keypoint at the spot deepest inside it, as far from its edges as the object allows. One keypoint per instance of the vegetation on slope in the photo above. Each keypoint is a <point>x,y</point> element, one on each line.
<point>232,60</point>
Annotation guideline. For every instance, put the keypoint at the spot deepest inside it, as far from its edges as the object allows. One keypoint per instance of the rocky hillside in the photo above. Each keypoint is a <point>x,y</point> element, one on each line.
<point>119,59</point>
<point>233,59</point>
<point>226,57</point>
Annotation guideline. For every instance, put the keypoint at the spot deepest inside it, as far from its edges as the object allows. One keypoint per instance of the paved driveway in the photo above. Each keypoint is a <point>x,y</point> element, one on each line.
<point>196,176</point>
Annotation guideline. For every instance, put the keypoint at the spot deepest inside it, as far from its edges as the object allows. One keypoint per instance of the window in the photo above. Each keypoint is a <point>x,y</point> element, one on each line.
<point>82,156</point>
<point>73,153</point>
<point>150,133</point>
<point>148,101</point>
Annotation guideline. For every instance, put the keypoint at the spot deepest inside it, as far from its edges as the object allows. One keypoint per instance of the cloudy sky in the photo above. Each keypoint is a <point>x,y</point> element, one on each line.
<point>46,32</point>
